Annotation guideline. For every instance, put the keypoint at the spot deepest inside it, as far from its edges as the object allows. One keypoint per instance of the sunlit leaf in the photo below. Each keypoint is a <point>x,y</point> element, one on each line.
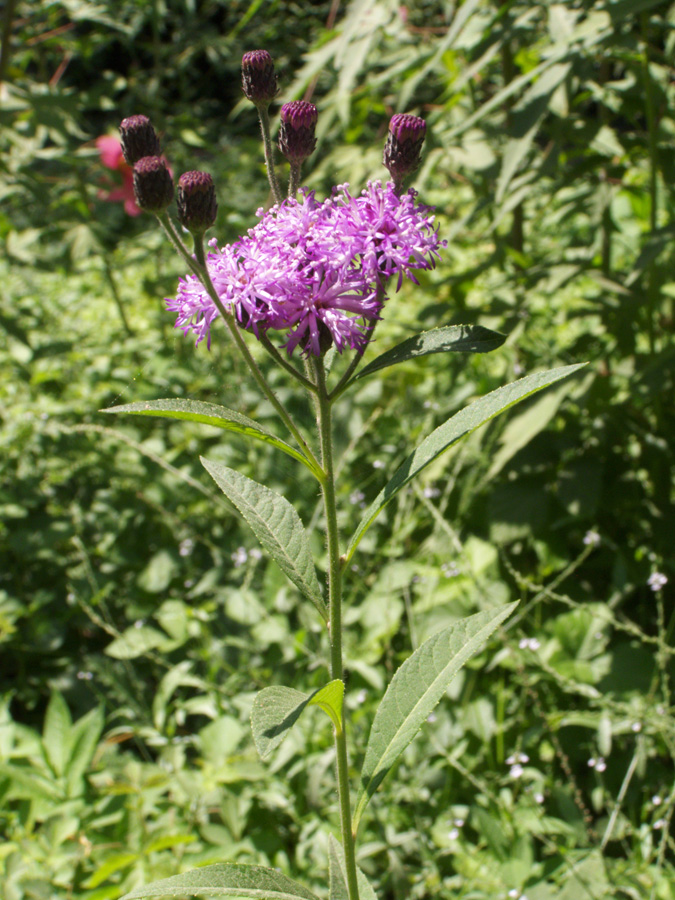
<point>224,880</point>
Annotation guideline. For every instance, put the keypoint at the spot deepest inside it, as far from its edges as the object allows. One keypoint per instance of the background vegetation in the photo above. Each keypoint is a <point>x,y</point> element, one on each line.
<point>137,619</point>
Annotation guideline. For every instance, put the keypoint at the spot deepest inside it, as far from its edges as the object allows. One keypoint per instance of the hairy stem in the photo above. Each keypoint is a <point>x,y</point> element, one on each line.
<point>264,116</point>
<point>335,610</point>
<point>294,179</point>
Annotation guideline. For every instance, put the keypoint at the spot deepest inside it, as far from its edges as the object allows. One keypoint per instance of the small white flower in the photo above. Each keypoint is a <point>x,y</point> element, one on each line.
<point>516,771</point>
<point>659,824</point>
<point>239,556</point>
<point>656,800</point>
<point>450,569</point>
<point>431,492</point>
<point>186,547</point>
<point>636,727</point>
<point>598,764</point>
<point>255,553</point>
<point>529,644</point>
<point>538,798</point>
<point>430,404</point>
<point>657,580</point>
<point>85,676</point>
<point>356,497</point>
<point>362,696</point>
<point>379,464</point>
<point>188,583</point>
<point>514,893</point>
<point>591,538</point>
<point>458,823</point>
<point>139,623</point>
<point>431,718</point>
<point>453,834</point>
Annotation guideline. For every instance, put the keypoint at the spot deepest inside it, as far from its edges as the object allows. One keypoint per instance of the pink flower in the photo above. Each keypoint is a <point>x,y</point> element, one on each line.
<point>111,157</point>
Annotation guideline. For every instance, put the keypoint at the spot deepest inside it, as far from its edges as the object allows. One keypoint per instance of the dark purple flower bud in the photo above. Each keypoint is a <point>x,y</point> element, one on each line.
<point>404,143</point>
<point>138,139</point>
<point>296,131</point>
<point>153,184</point>
<point>258,78</point>
<point>196,201</point>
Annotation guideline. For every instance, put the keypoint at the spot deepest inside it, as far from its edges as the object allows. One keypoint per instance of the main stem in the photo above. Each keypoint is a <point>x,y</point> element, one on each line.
<point>335,623</point>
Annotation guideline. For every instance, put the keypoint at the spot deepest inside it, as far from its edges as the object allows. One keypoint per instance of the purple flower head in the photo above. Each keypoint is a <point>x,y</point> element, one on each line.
<point>153,184</point>
<point>404,145</point>
<point>196,201</point>
<point>138,139</point>
<point>316,270</point>
<point>258,78</point>
<point>296,130</point>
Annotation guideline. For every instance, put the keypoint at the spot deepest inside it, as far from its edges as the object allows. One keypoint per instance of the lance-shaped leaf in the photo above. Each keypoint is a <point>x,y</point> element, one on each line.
<point>415,690</point>
<point>223,880</point>
<point>276,709</point>
<point>277,526</point>
<point>460,425</point>
<point>337,875</point>
<point>450,338</point>
<point>212,414</point>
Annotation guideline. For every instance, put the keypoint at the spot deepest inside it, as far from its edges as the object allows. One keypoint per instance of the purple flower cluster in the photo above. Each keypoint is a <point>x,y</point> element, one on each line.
<point>316,270</point>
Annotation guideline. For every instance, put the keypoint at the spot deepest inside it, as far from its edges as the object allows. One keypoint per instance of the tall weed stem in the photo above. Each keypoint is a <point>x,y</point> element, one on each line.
<point>335,566</point>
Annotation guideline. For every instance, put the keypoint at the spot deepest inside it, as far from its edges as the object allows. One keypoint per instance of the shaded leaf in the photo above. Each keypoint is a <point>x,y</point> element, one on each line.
<point>226,880</point>
<point>415,689</point>
<point>276,709</point>
<point>450,338</point>
<point>277,526</point>
<point>212,414</point>
<point>56,733</point>
<point>338,878</point>
<point>460,425</point>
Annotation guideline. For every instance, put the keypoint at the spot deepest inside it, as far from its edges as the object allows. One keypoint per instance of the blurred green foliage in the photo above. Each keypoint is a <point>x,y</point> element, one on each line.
<point>136,619</point>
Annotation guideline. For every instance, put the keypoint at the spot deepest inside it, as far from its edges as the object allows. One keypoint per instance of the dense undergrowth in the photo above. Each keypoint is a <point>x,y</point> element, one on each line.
<point>138,619</point>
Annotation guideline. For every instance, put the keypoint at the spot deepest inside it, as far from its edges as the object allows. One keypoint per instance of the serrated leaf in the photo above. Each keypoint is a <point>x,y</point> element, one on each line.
<point>450,338</point>
<point>277,526</point>
<point>414,691</point>
<point>56,733</point>
<point>457,427</point>
<point>212,414</point>
<point>276,709</point>
<point>337,875</point>
<point>226,880</point>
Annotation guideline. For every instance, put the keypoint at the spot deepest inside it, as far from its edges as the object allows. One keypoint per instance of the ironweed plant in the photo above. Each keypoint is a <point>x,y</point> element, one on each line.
<point>315,275</point>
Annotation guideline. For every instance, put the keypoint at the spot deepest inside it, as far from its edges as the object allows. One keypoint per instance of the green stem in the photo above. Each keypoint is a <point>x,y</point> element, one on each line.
<point>335,566</point>
<point>264,117</point>
<point>278,358</point>
<point>652,287</point>
<point>294,179</point>
<point>116,296</point>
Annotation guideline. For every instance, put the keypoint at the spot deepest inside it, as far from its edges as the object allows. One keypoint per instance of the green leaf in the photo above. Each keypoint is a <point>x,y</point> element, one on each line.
<point>56,733</point>
<point>450,338</point>
<point>276,709</point>
<point>226,880</point>
<point>338,877</point>
<point>277,526</point>
<point>415,690</point>
<point>135,642</point>
<point>212,414</point>
<point>460,425</point>
<point>85,736</point>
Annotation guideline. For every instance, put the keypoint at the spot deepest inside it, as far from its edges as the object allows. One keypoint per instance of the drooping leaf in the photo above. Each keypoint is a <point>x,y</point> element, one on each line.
<point>276,709</point>
<point>460,425</point>
<point>415,690</point>
<point>450,338</point>
<point>277,526</point>
<point>222,880</point>
<point>337,876</point>
<point>212,414</point>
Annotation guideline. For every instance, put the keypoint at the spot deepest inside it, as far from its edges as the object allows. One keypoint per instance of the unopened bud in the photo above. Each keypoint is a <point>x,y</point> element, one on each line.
<point>138,139</point>
<point>258,78</point>
<point>296,131</point>
<point>196,201</point>
<point>404,143</point>
<point>153,184</point>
